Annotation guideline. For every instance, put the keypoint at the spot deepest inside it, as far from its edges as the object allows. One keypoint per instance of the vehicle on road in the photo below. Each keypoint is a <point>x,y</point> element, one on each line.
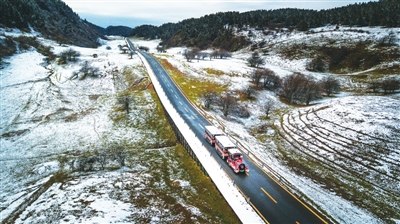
<point>235,161</point>
<point>211,132</point>
<point>226,149</point>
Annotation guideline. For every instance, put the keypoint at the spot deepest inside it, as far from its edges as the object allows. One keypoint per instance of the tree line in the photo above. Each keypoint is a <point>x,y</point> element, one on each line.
<point>296,88</point>
<point>195,53</point>
<point>217,30</point>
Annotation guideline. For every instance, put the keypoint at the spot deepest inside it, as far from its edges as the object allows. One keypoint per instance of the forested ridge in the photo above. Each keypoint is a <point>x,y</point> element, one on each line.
<point>52,18</point>
<point>216,30</point>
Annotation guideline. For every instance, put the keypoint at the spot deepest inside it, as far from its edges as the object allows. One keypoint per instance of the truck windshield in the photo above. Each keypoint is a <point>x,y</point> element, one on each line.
<point>237,156</point>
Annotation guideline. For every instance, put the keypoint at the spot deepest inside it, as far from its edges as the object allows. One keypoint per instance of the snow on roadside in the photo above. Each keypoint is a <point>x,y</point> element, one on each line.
<point>45,114</point>
<point>234,198</point>
<point>29,101</point>
<point>339,208</point>
<point>48,115</point>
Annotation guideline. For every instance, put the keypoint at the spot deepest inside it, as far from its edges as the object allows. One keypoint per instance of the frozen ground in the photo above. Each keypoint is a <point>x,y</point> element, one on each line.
<point>57,127</point>
<point>359,133</point>
<point>44,114</point>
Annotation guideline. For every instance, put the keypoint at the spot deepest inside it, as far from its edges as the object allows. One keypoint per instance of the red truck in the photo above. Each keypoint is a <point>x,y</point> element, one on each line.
<point>228,151</point>
<point>235,161</point>
<point>222,145</point>
<point>211,132</point>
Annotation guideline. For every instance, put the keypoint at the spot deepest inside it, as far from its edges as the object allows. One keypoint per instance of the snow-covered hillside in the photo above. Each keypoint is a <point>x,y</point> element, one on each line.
<point>79,148</point>
<point>50,120</point>
<point>359,132</point>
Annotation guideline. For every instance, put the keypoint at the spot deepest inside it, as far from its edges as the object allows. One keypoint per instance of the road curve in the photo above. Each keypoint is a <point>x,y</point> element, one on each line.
<point>269,198</point>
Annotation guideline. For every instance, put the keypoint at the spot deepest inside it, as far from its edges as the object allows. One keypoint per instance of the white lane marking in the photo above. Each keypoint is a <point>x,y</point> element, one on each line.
<point>171,90</point>
<point>200,125</point>
<point>192,117</point>
<point>180,103</point>
<point>186,110</point>
<point>176,96</point>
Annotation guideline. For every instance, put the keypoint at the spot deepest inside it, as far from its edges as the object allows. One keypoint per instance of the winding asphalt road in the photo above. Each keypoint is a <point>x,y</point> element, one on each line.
<point>273,202</point>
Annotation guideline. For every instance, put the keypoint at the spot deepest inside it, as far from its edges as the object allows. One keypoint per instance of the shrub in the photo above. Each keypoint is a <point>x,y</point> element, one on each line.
<point>319,64</point>
<point>69,55</point>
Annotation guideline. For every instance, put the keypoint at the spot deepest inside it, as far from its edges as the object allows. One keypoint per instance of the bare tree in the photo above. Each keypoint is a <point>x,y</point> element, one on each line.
<point>222,53</point>
<point>102,158</point>
<point>297,88</point>
<point>84,70</point>
<point>120,156</point>
<point>271,80</point>
<point>268,107</point>
<point>228,102</point>
<point>255,60</point>
<point>86,163</point>
<point>88,70</point>
<point>119,153</point>
<point>214,54</point>
<point>188,55</point>
<point>374,85</point>
<point>131,53</point>
<point>310,91</point>
<point>125,101</point>
<point>69,55</point>
<point>240,111</point>
<point>195,51</point>
<point>160,48</point>
<point>249,91</point>
<point>291,86</point>
<point>208,98</point>
<point>330,85</point>
<point>390,85</point>
<point>319,64</point>
<point>389,39</point>
<point>202,55</point>
<point>256,76</point>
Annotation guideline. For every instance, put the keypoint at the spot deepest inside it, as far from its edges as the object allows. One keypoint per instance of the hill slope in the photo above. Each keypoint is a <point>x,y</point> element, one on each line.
<point>216,30</point>
<point>53,19</point>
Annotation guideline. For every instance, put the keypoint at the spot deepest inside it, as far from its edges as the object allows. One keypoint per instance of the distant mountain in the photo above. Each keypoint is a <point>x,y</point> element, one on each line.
<point>99,29</point>
<point>123,31</point>
<point>118,31</point>
<point>52,18</point>
<point>216,30</point>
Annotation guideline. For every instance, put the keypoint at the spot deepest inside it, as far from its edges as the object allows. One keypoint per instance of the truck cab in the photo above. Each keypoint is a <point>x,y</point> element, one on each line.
<point>235,161</point>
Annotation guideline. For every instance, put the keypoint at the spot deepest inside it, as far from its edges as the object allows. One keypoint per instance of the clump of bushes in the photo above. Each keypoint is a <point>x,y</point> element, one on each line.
<point>385,86</point>
<point>9,47</point>
<point>69,55</point>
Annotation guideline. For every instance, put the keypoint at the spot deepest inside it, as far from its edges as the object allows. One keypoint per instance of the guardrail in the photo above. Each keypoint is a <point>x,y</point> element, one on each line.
<point>233,196</point>
<point>280,180</point>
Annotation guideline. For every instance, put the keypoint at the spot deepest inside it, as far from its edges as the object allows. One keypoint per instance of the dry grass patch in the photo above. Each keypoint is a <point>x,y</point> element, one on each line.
<point>212,71</point>
<point>192,87</point>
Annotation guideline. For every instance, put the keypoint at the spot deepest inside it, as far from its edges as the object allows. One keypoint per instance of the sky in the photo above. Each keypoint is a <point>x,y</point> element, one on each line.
<point>134,13</point>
